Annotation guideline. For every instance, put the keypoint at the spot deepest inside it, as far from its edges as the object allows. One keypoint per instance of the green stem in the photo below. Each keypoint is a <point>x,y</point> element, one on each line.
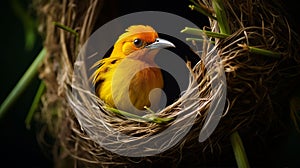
<point>214,34</point>
<point>26,79</point>
<point>198,32</point>
<point>68,29</point>
<point>239,150</point>
<point>264,52</point>
<point>126,114</point>
<point>148,109</point>
<point>197,39</point>
<point>35,104</point>
<point>193,39</point>
<point>260,51</point>
<point>221,16</point>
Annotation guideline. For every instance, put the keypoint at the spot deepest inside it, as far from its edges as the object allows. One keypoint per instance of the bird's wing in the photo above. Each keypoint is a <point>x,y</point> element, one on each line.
<point>103,66</point>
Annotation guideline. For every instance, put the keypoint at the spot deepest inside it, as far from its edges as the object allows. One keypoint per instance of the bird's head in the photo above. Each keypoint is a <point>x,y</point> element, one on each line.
<point>136,38</point>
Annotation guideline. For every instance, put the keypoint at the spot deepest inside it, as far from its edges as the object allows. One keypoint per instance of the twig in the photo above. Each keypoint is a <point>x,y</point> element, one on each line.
<point>147,118</point>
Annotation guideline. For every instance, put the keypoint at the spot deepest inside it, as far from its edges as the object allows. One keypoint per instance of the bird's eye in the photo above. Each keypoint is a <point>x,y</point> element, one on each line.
<point>138,43</point>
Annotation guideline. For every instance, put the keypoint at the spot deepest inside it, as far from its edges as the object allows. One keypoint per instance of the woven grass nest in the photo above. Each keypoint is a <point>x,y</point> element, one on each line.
<point>258,81</point>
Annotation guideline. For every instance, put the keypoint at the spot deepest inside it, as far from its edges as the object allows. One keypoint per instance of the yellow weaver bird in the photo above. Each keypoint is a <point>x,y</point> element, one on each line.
<point>125,79</point>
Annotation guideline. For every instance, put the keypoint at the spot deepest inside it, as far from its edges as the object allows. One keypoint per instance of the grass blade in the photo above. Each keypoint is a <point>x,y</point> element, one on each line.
<point>26,79</point>
<point>239,150</point>
<point>34,105</point>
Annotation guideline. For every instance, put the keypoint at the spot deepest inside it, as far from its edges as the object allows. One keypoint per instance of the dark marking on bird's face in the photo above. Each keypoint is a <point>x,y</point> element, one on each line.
<point>106,69</point>
<point>114,61</point>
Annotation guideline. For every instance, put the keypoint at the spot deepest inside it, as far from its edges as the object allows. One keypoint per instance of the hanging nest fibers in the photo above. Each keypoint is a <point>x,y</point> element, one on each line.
<point>257,50</point>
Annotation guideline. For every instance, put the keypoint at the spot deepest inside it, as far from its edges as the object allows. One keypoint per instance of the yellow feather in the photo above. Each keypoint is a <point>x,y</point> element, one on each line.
<point>129,73</point>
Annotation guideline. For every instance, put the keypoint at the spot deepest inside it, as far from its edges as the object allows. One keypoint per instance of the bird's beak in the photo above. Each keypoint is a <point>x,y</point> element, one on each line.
<point>160,43</point>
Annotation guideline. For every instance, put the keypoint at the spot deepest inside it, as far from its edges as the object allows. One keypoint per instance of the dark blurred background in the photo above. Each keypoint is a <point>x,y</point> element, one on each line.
<point>19,146</point>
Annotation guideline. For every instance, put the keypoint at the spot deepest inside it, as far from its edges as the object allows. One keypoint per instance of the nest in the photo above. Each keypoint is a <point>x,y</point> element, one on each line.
<point>257,88</point>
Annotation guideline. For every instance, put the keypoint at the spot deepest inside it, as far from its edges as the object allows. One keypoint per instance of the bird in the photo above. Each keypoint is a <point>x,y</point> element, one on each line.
<point>126,80</point>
